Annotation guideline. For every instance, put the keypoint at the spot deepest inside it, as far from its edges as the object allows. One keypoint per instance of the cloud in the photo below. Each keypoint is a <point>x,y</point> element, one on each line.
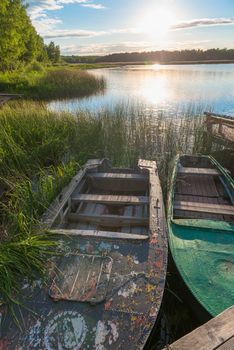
<point>202,22</point>
<point>190,44</point>
<point>130,46</point>
<point>47,26</point>
<point>63,33</point>
<point>73,1</point>
<point>39,10</point>
<point>84,3</point>
<point>105,49</point>
<point>94,6</point>
<point>178,26</point>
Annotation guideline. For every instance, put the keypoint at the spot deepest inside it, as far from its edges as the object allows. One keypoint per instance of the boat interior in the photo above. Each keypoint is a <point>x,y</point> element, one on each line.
<point>114,200</point>
<point>202,191</point>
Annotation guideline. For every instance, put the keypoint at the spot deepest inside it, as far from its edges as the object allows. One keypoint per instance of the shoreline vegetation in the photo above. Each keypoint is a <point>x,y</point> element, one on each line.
<point>139,63</point>
<point>191,56</point>
<point>38,82</point>
<point>41,150</point>
<point>68,80</point>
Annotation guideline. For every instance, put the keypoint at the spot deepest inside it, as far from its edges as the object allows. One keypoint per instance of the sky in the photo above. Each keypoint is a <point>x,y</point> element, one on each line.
<point>100,27</point>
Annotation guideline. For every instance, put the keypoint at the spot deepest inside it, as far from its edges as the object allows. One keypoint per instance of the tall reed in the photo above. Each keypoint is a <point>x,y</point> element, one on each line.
<point>37,82</point>
<point>41,150</point>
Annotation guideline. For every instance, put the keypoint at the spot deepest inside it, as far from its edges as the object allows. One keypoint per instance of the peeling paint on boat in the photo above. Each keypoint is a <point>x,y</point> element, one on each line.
<point>34,335</point>
<point>101,334</point>
<point>115,305</point>
<point>105,247</point>
<point>135,260</point>
<point>114,333</point>
<point>128,290</point>
<point>106,331</point>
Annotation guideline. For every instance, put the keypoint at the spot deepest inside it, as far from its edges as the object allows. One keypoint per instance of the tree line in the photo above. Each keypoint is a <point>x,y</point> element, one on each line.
<point>162,56</point>
<point>20,44</point>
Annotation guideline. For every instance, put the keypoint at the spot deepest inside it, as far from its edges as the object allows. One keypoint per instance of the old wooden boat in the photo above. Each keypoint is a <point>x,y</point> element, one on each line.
<point>201,230</point>
<point>105,288</point>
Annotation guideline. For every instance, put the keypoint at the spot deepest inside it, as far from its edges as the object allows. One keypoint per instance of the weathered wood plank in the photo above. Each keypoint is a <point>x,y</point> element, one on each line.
<point>205,207</point>
<point>100,234</point>
<point>56,208</point>
<point>198,171</point>
<point>108,220</point>
<point>210,336</point>
<point>119,182</point>
<point>6,97</point>
<point>215,118</point>
<point>110,199</point>
<point>228,345</point>
<point>224,134</point>
<point>82,277</point>
<point>117,176</point>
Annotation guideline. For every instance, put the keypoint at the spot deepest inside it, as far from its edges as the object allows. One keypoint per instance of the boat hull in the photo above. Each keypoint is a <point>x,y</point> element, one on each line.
<point>202,246</point>
<point>106,285</point>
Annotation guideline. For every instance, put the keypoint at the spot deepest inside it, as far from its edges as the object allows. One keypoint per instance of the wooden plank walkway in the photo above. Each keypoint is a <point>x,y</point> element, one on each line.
<point>220,128</point>
<point>6,97</point>
<point>217,334</point>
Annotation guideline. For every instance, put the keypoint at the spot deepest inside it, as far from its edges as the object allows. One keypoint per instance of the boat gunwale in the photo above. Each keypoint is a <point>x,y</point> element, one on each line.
<point>208,224</point>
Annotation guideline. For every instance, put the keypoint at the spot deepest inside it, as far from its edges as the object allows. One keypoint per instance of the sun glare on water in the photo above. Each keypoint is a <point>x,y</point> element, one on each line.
<point>156,23</point>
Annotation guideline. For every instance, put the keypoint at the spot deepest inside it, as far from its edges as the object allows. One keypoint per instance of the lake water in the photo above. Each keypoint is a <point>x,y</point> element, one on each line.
<point>169,88</point>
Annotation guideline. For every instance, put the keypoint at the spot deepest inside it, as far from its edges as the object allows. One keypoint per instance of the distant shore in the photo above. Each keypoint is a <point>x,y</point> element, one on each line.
<point>101,64</point>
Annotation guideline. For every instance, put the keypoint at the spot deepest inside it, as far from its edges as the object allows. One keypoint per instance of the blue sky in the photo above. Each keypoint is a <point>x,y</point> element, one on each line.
<point>99,27</point>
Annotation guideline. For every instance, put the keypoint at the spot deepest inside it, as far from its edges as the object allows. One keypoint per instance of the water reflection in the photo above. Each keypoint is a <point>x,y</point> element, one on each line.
<point>169,88</point>
<point>155,91</point>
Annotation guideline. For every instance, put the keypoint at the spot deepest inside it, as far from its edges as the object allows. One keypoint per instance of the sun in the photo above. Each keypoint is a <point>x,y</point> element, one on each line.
<point>156,23</point>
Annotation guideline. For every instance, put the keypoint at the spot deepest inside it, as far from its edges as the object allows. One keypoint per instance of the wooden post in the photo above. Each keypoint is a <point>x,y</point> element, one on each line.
<point>207,139</point>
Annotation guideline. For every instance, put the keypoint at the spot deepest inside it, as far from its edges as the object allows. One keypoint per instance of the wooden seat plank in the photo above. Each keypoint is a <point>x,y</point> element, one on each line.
<point>198,171</point>
<point>108,220</point>
<point>100,234</point>
<point>205,207</point>
<point>116,176</point>
<point>110,199</point>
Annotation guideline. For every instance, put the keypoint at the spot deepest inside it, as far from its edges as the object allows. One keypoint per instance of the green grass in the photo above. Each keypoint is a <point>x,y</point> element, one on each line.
<point>31,137</point>
<point>41,150</point>
<point>38,82</point>
<point>21,258</point>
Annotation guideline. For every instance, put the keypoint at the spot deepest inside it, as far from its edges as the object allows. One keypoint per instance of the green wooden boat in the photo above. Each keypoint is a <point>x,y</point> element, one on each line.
<point>201,230</point>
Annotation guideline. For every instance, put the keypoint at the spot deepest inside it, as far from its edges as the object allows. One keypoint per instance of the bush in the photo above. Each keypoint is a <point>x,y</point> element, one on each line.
<point>64,83</point>
<point>35,83</point>
<point>34,67</point>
